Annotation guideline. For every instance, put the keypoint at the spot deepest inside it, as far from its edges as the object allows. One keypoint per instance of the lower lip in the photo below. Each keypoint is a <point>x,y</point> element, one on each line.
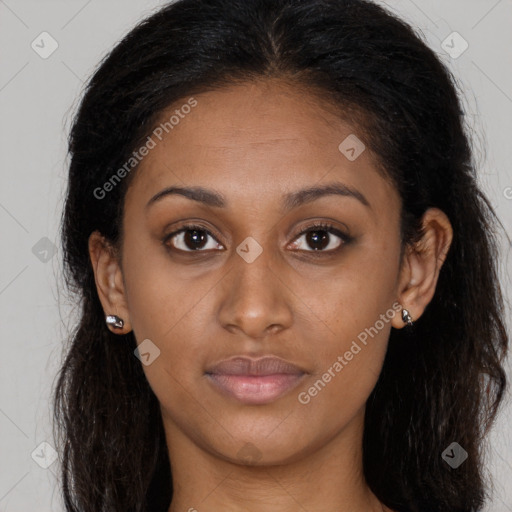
<point>252,389</point>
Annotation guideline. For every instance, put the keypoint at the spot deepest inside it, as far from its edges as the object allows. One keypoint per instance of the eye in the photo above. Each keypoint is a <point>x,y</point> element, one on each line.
<point>192,238</point>
<point>319,237</point>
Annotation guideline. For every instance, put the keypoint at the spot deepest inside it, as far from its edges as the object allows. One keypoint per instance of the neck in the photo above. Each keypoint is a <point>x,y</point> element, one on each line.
<point>328,478</point>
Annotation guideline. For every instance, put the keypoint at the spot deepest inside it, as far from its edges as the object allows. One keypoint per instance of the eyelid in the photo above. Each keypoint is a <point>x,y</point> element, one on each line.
<point>327,226</point>
<point>189,227</point>
<point>330,228</point>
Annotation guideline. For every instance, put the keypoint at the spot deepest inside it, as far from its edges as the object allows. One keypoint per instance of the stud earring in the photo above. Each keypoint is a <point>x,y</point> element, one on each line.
<point>114,321</point>
<point>406,317</point>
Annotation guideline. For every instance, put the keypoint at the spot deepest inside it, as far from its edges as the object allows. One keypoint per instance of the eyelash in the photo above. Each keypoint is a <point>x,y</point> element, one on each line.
<point>320,226</point>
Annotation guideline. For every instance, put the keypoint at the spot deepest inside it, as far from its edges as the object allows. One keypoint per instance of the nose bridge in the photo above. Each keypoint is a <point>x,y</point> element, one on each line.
<point>255,261</point>
<point>255,299</point>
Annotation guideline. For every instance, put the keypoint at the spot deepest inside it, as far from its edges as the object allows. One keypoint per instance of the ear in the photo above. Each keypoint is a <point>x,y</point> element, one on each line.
<point>422,263</point>
<point>109,280</point>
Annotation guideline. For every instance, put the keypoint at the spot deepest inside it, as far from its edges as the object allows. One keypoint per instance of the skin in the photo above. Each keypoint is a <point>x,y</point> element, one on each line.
<point>253,143</point>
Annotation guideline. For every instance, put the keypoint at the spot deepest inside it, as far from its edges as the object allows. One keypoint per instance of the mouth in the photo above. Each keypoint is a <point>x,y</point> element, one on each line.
<point>253,381</point>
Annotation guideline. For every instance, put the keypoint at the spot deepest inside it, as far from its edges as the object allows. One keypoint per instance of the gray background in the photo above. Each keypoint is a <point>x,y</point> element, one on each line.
<point>37,99</point>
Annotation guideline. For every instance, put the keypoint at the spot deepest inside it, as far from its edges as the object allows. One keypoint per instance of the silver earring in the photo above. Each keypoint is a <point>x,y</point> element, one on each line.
<point>114,321</point>
<point>406,317</point>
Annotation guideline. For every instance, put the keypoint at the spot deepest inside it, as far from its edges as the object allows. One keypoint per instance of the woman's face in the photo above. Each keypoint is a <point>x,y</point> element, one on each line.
<point>256,286</point>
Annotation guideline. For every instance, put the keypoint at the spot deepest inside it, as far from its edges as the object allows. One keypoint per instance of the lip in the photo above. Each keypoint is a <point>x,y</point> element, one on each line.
<point>255,381</point>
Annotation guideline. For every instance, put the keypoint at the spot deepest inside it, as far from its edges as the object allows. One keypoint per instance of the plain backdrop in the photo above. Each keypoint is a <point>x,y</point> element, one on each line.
<point>37,98</point>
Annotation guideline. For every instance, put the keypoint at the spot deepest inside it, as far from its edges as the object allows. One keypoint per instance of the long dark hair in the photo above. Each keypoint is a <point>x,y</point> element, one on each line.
<point>441,383</point>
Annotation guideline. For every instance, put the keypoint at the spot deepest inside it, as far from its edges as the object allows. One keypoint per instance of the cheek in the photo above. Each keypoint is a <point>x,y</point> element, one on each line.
<point>169,309</point>
<point>351,296</point>
<point>350,312</point>
<point>348,349</point>
<point>159,293</point>
<point>349,353</point>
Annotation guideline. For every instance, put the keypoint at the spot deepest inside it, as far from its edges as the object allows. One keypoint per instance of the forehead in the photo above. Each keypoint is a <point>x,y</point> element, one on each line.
<point>254,138</point>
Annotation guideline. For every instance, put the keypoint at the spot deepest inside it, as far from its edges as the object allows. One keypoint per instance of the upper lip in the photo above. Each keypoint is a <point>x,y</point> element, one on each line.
<point>242,365</point>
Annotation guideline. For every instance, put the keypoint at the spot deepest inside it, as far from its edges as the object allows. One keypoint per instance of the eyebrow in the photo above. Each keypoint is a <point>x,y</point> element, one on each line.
<point>291,199</point>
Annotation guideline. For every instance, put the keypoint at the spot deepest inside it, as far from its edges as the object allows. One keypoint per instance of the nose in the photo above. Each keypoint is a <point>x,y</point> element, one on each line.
<point>256,297</point>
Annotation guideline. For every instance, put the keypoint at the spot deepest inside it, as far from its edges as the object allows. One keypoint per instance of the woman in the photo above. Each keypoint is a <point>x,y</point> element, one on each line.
<point>286,269</point>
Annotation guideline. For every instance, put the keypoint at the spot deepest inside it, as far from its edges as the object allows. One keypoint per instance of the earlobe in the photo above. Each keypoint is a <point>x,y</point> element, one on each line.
<point>422,265</point>
<point>109,283</point>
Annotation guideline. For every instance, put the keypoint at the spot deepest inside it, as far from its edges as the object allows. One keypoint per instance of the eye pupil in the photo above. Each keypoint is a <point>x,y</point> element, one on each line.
<point>313,238</point>
<point>194,235</point>
<point>195,239</point>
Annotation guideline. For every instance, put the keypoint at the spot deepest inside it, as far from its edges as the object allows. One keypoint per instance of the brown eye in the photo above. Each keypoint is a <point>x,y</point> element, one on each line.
<point>192,238</point>
<point>319,238</point>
